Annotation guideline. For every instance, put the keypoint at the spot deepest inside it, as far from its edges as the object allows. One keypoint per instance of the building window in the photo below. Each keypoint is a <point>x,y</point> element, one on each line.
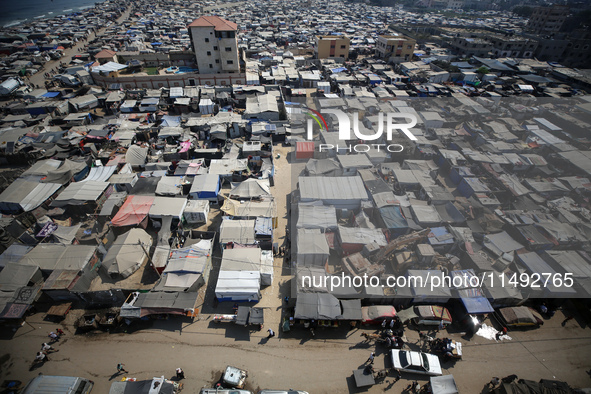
<point>229,61</point>
<point>217,61</point>
<point>206,39</point>
<point>208,53</point>
<point>210,65</point>
<point>341,55</point>
<point>343,46</point>
<point>409,47</point>
<point>215,48</point>
<point>228,49</point>
<point>332,46</point>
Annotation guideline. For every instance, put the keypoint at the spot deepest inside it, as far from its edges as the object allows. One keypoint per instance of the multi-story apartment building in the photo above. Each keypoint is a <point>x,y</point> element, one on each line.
<point>215,45</point>
<point>395,48</point>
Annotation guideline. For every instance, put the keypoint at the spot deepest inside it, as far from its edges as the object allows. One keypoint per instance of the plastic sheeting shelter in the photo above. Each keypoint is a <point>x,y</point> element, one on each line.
<point>251,188</point>
<point>167,206</point>
<point>23,195</point>
<point>196,211</point>
<point>249,259</point>
<point>393,218</point>
<point>237,231</point>
<point>134,210</point>
<point>100,174</point>
<point>127,254</point>
<point>80,193</point>
<point>169,186</point>
<point>206,106</point>
<point>50,257</point>
<point>65,172</point>
<point>205,187</point>
<point>341,192</point>
<point>136,156</point>
<point>312,248</point>
<point>443,385</point>
<point>238,286</point>
<point>317,217</point>
<point>317,306</point>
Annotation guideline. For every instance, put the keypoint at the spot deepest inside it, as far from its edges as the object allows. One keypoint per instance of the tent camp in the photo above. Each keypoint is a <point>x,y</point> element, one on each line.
<point>126,255</point>
<point>65,172</point>
<point>136,156</point>
<point>341,192</point>
<point>238,286</point>
<point>196,211</point>
<point>205,187</point>
<point>134,210</point>
<point>169,186</point>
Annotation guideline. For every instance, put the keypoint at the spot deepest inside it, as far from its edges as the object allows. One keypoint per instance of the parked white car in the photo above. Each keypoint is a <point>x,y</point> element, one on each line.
<point>416,362</point>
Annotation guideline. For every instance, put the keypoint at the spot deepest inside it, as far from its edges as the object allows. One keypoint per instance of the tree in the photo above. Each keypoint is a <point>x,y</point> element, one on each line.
<point>483,70</point>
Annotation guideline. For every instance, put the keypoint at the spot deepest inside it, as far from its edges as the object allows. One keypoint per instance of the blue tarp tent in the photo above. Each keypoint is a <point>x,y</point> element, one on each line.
<point>393,218</point>
<point>475,302</point>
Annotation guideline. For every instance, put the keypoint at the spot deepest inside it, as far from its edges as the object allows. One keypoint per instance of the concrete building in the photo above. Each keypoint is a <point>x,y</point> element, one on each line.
<point>215,45</point>
<point>547,19</point>
<point>395,49</point>
<point>332,46</point>
<point>106,56</point>
<point>512,46</point>
<point>467,46</point>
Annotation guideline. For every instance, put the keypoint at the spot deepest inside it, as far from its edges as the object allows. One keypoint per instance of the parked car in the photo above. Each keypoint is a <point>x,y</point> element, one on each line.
<point>375,314</point>
<point>431,315</point>
<point>415,362</point>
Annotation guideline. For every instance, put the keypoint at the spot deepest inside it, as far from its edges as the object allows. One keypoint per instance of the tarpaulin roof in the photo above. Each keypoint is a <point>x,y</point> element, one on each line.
<point>250,209</point>
<point>393,218</point>
<point>317,216</point>
<point>318,306</point>
<point>238,231</point>
<point>238,285</point>
<point>169,186</point>
<point>351,310</point>
<point>42,167</point>
<point>108,67</point>
<point>134,211</point>
<point>167,206</point>
<point>443,385</point>
<point>79,193</point>
<point>136,155</point>
<point>26,194</point>
<point>358,235</point>
<point>14,253</point>
<point>100,174</point>
<point>501,243</point>
<point>475,302</point>
<point>50,257</point>
<point>251,188</point>
<point>126,254</point>
<point>332,188</point>
<point>16,275</point>
<point>323,166</point>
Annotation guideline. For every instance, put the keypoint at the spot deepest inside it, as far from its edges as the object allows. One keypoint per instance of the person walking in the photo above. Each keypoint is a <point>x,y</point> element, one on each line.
<point>371,358</point>
<point>42,357</point>
<point>384,323</point>
<point>271,333</point>
<point>120,368</point>
<point>46,348</point>
<point>392,324</point>
<point>180,374</point>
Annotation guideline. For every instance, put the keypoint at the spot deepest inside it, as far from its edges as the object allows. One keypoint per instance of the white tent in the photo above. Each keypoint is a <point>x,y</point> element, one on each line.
<point>196,211</point>
<point>206,106</point>
<point>238,286</point>
<point>312,248</point>
<point>127,254</point>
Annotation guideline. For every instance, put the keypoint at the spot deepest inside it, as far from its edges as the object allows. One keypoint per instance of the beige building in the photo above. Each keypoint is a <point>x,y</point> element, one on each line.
<point>395,49</point>
<point>332,46</point>
<point>215,45</point>
<point>547,19</point>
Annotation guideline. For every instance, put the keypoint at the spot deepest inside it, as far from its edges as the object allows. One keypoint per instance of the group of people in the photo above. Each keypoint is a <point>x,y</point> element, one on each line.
<point>46,348</point>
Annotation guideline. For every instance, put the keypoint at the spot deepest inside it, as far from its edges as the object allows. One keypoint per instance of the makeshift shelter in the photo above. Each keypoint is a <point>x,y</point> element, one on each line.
<point>68,170</point>
<point>134,211</point>
<point>124,182</point>
<point>425,290</point>
<point>443,385</point>
<point>196,211</point>
<point>238,286</point>
<point>50,257</point>
<point>304,150</point>
<point>187,266</point>
<point>23,195</point>
<point>326,167</point>
<point>312,248</point>
<point>15,276</point>
<point>80,193</point>
<point>136,156</point>
<point>167,206</point>
<point>169,186</point>
<point>13,254</point>
<point>251,209</point>
<point>206,106</point>
<point>393,218</point>
<point>250,189</point>
<point>100,174</point>
<point>341,192</point>
<point>205,187</point>
<point>249,259</point>
<point>317,306</point>
<point>237,231</point>
<point>353,239</point>
<point>317,217</point>
<point>128,253</point>
<point>139,305</point>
